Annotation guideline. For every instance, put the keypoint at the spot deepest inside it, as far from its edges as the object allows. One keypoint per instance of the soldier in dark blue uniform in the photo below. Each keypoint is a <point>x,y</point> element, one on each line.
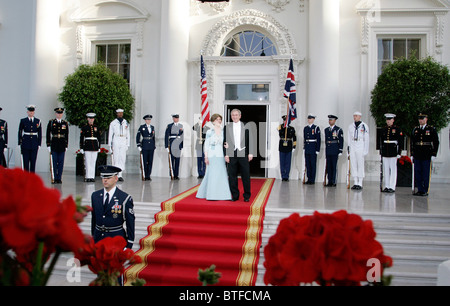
<point>3,140</point>
<point>30,139</point>
<point>112,208</point>
<point>173,142</point>
<point>145,140</point>
<point>334,143</point>
<point>424,148</point>
<point>311,145</point>
<point>57,143</point>
<point>286,146</point>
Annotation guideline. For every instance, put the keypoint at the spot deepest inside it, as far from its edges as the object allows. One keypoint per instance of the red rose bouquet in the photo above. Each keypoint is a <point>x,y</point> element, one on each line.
<point>328,249</point>
<point>107,258</point>
<point>34,224</point>
<point>404,161</point>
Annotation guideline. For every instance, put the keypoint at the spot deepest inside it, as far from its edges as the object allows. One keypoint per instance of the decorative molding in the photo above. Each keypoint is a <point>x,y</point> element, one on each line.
<point>84,15</point>
<point>278,5</point>
<point>439,31</point>
<point>281,37</point>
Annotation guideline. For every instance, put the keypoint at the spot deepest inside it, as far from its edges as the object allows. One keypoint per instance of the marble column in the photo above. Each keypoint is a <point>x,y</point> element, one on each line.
<point>323,64</point>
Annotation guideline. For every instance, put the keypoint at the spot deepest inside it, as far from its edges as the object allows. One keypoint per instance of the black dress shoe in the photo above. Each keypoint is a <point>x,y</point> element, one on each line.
<point>246,200</point>
<point>234,200</point>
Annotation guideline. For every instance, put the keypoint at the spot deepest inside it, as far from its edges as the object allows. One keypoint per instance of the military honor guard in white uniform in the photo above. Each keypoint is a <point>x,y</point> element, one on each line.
<point>424,148</point>
<point>3,141</point>
<point>90,146</point>
<point>286,147</point>
<point>173,142</point>
<point>391,146</point>
<point>145,141</point>
<point>112,209</point>
<point>358,143</point>
<point>30,139</point>
<point>311,147</point>
<point>119,141</point>
<point>57,143</point>
<point>334,144</point>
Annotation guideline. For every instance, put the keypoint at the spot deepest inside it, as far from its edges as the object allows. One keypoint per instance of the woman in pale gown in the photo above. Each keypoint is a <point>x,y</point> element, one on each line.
<point>215,183</point>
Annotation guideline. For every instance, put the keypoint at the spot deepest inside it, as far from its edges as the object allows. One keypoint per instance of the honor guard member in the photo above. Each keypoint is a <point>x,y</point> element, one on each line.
<point>145,140</point>
<point>30,139</point>
<point>112,208</point>
<point>391,146</point>
<point>199,144</point>
<point>424,148</point>
<point>3,141</point>
<point>358,143</point>
<point>311,145</point>
<point>119,141</point>
<point>173,142</point>
<point>334,144</point>
<point>90,146</point>
<point>286,146</point>
<point>57,143</point>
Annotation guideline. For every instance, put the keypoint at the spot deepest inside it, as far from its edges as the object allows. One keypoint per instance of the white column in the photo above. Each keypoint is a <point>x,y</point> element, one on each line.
<point>173,71</point>
<point>44,69</point>
<point>323,91</point>
<point>174,46</point>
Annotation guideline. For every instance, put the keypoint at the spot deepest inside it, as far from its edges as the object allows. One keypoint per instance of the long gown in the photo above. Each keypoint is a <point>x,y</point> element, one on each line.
<point>215,183</point>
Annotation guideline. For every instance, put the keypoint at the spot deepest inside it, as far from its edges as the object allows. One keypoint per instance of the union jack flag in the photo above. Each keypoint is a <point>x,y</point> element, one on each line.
<point>204,94</point>
<point>290,93</point>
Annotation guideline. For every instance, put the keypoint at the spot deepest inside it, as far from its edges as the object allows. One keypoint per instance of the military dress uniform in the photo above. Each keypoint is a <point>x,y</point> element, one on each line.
<point>199,148</point>
<point>391,146</point>
<point>424,146</point>
<point>358,144</point>
<point>119,141</point>
<point>145,141</point>
<point>3,141</point>
<point>111,211</point>
<point>287,144</point>
<point>30,140</point>
<point>174,137</point>
<point>90,146</point>
<point>334,144</point>
<point>311,145</point>
<point>58,142</point>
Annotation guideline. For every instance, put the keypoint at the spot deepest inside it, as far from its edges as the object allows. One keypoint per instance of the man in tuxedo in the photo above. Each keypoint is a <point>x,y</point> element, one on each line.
<point>238,151</point>
<point>112,208</point>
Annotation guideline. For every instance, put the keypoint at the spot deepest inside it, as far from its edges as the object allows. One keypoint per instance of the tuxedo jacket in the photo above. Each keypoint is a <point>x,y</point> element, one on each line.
<point>108,220</point>
<point>247,140</point>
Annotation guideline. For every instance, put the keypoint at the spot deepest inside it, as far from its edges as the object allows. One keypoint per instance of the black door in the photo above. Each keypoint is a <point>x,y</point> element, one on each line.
<point>258,115</point>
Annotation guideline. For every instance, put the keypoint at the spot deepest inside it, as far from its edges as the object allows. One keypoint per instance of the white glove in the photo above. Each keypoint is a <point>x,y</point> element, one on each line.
<point>317,153</point>
<point>398,156</point>
<point>433,158</point>
<point>340,154</point>
<point>82,151</point>
<point>140,149</point>
<point>167,149</point>
<point>49,149</point>
<point>293,151</point>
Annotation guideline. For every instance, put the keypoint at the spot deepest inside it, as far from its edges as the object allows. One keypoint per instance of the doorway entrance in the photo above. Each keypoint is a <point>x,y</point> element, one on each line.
<point>259,115</point>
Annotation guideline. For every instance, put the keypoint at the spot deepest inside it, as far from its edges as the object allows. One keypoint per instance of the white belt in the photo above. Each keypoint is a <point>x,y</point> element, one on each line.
<point>174,136</point>
<point>311,140</point>
<point>30,134</point>
<point>390,141</point>
<point>91,138</point>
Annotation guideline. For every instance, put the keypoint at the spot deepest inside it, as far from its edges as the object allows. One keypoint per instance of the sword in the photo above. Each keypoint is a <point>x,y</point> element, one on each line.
<point>304,170</point>
<point>170,164</point>
<point>51,168</point>
<point>349,173</point>
<point>413,185</point>
<point>142,167</point>
<point>381,165</point>
<point>325,175</point>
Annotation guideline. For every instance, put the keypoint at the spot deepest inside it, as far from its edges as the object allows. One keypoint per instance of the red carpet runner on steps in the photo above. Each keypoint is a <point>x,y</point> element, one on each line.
<point>191,234</point>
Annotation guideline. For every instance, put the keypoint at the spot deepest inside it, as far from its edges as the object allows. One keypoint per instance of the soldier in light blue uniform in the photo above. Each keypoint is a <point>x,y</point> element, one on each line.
<point>145,140</point>
<point>30,139</point>
<point>311,145</point>
<point>334,143</point>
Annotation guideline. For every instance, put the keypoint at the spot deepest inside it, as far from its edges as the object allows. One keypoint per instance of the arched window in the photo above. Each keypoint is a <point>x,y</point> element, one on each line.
<point>248,43</point>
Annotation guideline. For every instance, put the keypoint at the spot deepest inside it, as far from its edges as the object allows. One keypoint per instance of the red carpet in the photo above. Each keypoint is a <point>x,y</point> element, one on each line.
<point>191,234</point>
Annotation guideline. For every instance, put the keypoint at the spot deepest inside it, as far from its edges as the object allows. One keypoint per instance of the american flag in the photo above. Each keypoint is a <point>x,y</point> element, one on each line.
<point>290,93</point>
<point>204,94</point>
